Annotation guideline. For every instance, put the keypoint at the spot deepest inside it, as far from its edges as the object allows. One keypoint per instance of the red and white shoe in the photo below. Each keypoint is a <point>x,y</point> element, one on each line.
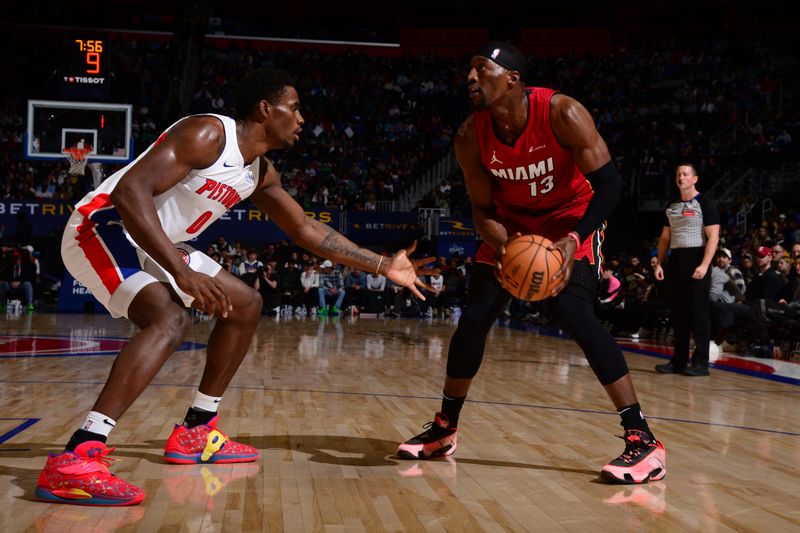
<point>205,444</point>
<point>644,459</point>
<point>82,478</point>
<point>438,439</point>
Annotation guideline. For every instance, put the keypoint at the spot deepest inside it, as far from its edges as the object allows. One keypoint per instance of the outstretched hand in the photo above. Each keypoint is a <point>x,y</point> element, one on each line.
<point>566,246</point>
<point>406,271</point>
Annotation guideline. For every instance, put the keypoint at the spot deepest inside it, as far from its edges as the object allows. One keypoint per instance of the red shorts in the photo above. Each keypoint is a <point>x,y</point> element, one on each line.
<point>553,226</point>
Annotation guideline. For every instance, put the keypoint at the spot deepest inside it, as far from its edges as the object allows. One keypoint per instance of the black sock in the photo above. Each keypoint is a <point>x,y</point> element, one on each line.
<point>632,418</point>
<point>451,408</point>
<point>81,436</point>
<point>195,417</point>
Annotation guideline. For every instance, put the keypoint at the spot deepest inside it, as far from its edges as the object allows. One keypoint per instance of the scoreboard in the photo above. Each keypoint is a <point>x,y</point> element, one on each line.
<point>83,69</point>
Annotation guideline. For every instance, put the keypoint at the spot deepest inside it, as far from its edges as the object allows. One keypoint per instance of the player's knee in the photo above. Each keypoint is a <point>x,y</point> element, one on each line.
<point>174,323</point>
<point>180,322</point>
<point>254,304</point>
<point>475,320</point>
<point>247,304</point>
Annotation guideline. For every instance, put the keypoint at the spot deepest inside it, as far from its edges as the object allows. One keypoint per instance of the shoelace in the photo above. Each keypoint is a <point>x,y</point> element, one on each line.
<point>634,446</point>
<point>100,457</point>
<point>87,465</point>
<point>427,427</point>
<point>431,428</point>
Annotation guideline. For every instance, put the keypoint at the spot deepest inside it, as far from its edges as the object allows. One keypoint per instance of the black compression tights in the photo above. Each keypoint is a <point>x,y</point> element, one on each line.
<point>575,307</point>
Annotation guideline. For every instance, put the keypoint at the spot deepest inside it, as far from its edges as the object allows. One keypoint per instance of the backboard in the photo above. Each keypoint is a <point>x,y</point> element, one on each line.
<point>55,126</point>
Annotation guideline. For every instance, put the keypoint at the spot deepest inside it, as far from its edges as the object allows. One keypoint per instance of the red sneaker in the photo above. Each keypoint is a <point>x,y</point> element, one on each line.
<point>82,478</point>
<point>438,439</point>
<point>643,460</point>
<point>205,444</point>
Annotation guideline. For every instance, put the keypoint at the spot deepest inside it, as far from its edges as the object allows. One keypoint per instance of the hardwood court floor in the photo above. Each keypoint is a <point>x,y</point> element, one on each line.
<point>326,402</point>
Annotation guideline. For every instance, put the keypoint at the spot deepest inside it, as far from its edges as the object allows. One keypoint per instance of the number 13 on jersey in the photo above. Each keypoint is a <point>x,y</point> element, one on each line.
<point>542,186</point>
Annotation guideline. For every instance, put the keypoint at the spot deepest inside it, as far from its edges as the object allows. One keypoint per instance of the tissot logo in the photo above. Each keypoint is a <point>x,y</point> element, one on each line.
<point>84,80</point>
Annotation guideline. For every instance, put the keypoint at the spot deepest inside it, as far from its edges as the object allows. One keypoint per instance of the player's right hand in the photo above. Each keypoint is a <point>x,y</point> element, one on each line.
<point>208,293</point>
<point>659,273</point>
<point>500,252</point>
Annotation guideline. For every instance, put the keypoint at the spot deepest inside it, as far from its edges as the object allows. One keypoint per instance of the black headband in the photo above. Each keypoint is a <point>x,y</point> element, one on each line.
<point>506,55</point>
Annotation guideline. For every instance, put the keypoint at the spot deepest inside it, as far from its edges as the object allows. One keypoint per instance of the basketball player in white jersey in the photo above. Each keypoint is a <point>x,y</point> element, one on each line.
<point>124,242</point>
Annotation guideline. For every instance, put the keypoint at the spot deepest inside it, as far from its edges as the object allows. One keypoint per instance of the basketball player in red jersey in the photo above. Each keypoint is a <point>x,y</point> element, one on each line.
<point>534,163</point>
<point>124,242</point>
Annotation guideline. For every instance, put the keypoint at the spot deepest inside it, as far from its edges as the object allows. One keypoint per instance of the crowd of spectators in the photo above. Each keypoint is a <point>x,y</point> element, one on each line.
<point>293,282</point>
<point>755,291</point>
<point>375,124</point>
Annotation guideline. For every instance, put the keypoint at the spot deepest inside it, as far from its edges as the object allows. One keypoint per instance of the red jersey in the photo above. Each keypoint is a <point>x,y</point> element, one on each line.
<point>536,185</point>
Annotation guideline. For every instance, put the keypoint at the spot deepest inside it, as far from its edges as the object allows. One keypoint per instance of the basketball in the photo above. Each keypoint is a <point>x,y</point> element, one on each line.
<point>529,267</point>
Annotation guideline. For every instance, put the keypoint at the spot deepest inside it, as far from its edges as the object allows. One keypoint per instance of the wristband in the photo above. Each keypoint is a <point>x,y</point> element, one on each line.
<point>380,261</point>
<point>577,238</point>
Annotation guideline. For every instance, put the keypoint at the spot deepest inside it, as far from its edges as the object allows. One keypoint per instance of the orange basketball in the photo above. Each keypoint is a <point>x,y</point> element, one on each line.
<point>529,267</point>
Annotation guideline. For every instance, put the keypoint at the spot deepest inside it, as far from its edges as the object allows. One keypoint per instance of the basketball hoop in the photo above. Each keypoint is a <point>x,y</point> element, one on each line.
<point>77,159</point>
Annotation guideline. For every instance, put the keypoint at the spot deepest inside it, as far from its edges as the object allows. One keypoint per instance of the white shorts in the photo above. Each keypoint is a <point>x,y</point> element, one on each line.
<point>102,256</point>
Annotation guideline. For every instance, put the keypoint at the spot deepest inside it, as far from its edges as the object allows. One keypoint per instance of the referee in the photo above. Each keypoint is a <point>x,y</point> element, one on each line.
<point>691,231</point>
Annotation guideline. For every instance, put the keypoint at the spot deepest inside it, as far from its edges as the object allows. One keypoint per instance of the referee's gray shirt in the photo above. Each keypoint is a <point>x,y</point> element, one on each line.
<point>687,220</point>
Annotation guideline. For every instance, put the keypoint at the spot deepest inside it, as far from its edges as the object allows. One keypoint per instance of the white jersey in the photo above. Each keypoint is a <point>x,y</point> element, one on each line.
<point>199,199</point>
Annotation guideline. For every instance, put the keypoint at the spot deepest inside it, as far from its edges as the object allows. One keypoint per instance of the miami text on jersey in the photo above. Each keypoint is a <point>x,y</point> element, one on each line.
<point>534,170</point>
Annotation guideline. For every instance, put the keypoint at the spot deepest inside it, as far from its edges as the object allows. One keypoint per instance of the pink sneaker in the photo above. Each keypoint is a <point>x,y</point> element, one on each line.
<point>82,478</point>
<point>643,460</point>
<point>438,439</point>
<point>205,444</point>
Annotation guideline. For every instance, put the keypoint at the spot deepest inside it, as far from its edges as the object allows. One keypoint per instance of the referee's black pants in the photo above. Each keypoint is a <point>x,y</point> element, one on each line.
<point>690,305</point>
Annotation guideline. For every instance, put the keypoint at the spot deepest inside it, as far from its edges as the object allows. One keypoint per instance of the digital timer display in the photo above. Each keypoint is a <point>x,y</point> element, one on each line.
<point>84,67</point>
<point>93,50</point>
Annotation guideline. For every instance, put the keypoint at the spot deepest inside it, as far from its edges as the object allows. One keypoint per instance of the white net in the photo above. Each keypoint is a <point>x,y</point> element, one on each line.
<point>77,160</point>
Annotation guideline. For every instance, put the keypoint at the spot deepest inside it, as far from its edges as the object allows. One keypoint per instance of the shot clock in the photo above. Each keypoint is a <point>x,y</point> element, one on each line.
<point>84,69</point>
<point>93,50</point>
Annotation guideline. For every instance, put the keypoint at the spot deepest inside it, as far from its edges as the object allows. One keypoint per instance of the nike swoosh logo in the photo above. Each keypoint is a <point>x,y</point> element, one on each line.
<point>217,401</point>
<point>107,421</point>
<point>226,165</point>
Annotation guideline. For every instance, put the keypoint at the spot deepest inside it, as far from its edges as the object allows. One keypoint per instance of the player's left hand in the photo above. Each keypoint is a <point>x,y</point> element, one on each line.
<point>405,271</point>
<point>699,272</point>
<point>567,247</point>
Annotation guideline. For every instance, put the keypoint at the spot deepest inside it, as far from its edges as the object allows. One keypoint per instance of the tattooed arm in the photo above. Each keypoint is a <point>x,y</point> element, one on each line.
<point>323,240</point>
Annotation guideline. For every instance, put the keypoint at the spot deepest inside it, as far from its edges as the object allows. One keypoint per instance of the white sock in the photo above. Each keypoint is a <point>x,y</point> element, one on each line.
<point>205,402</point>
<point>98,423</point>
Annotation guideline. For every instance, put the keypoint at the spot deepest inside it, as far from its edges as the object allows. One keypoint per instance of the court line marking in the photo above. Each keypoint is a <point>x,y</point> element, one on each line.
<point>184,346</point>
<point>28,422</point>
<point>554,332</point>
<point>758,390</point>
<point>411,397</point>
